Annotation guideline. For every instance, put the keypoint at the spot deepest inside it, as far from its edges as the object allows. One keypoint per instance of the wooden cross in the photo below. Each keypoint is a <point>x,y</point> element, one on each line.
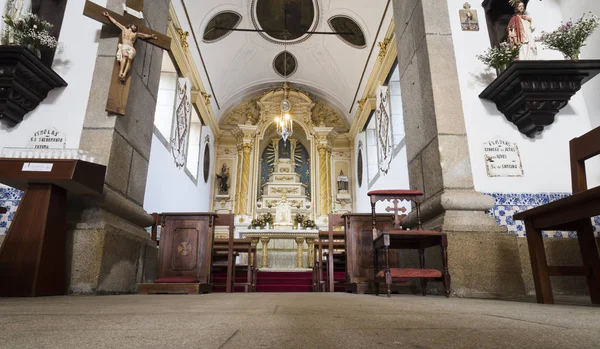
<point>119,90</point>
<point>397,218</point>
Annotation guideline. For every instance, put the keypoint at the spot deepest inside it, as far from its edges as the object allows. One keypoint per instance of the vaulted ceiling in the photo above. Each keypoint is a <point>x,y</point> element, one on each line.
<point>240,65</point>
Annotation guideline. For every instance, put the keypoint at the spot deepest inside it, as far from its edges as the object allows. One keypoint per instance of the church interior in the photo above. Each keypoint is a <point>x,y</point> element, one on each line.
<point>299,173</point>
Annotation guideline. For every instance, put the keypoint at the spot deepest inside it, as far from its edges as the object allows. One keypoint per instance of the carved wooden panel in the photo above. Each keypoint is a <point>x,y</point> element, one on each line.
<point>185,249</point>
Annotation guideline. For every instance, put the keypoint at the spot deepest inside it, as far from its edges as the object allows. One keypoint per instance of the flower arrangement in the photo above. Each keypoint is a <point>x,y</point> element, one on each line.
<point>257,223</point>
<point>268,218</point>
<point>570,37</point>
<point>309,224</point>
<point>298,219</point>
<point>30,31</point>
<point>501,56</point>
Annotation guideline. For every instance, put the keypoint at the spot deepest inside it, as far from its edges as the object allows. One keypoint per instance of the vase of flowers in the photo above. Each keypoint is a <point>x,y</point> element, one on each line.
<point>309,224</point>
<point>268,218</point>
<point>29,31</point>
<point>500,57</point>
<point>257,224</point>
<point>570,37</point>
<point>298,220</point>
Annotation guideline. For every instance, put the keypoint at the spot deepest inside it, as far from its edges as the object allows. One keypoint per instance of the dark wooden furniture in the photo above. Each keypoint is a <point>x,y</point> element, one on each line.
<point>228,221</point>
<point>531,93</point>
<point>572,213</point>
<point>329,255</point>
<point>3,210</point>
<point>399,239</point>
<point>24,83</point>
<point>33,257</point>
<point>221,259</point>
<point>359,250</point>
<point>185,253</point>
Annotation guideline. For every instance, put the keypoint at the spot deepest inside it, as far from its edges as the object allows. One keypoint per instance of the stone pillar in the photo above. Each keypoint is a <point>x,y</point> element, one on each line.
<point>247,148</point>
<point>238,178</point>
<point>109,248</point>
<point>481,264</point>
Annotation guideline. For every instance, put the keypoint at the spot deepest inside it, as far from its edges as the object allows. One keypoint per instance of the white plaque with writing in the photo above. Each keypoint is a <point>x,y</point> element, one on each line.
<point>37,167</point>
<point>502,159</point>
<point>47,138</point>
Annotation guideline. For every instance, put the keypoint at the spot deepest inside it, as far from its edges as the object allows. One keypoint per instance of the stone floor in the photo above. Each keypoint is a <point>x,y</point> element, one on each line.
<point>290,320</point>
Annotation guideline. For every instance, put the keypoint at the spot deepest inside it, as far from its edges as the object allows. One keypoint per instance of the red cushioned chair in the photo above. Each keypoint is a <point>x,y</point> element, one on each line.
<point>399,238</point>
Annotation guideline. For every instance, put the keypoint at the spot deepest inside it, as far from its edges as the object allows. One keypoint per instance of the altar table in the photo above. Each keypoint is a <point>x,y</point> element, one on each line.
<point>265,235</point>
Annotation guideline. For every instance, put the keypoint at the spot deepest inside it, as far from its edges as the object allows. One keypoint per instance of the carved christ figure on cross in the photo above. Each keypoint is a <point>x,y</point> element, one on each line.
<point>126,51</point>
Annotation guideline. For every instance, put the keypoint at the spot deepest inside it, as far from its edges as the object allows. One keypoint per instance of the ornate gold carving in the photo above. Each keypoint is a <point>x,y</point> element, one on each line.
<point>324,115</point>
<point>244,113</point>
<point>206,98</point>
<point>247,148</point>
<point>284,190</point>
<point>184,249</point>
<point>265,252</point>
<point>238,181</point>
<point>285,170</point>
<point>361,104</point>
<point>329,193</point>
<point>300,242</point>
<point>383,47</point>
<point>323,177</point>
<point>183,37</point>
<point>284,178</point>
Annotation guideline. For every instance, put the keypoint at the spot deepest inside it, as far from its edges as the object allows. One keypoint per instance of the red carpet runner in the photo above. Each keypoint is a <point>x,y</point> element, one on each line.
<point>276,281</point>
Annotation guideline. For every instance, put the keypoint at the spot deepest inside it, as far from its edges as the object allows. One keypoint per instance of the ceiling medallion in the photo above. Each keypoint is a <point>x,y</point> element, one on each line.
<point>226,19</point>
<point>344,24</point>
<point>287,19</point>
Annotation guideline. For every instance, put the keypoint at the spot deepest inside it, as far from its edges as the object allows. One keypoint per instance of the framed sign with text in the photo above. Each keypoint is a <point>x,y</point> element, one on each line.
<point>502,159</point>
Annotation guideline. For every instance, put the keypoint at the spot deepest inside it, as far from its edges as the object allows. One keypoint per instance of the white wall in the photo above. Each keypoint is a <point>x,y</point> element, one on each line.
<point>64,108</point>
<point>396,178</point>
<point>545,159</point>
<point>170,189</point>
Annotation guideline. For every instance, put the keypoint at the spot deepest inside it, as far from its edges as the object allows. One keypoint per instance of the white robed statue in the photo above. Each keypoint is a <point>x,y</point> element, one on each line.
<point>520,32</point>
<point>283,211</point>
<point>14,9</point>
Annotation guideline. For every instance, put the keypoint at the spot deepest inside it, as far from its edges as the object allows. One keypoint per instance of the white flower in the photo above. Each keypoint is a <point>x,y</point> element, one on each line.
<point>34,26</point>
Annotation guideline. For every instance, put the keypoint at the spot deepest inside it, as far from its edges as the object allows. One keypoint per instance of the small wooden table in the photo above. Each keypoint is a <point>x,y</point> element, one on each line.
<point>572,213</point>
<point>265,235</point>
<point>33,257</point>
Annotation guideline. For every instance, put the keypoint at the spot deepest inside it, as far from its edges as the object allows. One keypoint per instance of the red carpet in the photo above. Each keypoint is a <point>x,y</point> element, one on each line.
<point>278,281</point>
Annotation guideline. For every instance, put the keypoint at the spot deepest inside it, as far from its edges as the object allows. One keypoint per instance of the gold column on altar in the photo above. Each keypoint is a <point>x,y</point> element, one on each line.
<point>300,242</point>
<point>265,253</point>
<point>238,178</point>
<point>247,149</point>
<point>329,193</point>
<point>323,177</point>
<point>311,252</point>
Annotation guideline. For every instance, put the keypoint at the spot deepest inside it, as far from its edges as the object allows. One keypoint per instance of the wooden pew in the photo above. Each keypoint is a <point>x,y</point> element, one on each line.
<point>228,221</point>
<point>221,253</point>
<point>572,213</point>
<point>3,210</point>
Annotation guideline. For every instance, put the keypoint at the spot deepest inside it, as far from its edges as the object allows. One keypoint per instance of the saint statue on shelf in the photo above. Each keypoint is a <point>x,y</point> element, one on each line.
<point>283,212</point>
<point>14,9</point>
<point>223,179</point>
<point>520,32</point>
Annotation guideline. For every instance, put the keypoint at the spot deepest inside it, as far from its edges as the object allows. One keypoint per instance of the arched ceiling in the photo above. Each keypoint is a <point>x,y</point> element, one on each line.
<point>241,64</point>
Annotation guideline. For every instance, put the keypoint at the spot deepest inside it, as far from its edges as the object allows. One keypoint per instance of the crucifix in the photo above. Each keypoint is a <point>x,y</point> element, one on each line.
<point>132,27</point>
<point>397,218</point>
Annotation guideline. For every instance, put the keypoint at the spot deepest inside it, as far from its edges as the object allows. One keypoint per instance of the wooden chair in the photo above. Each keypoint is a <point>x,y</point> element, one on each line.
<point>329,255</point>
<point>572,213</point>
<point>3,210</point>
<point>220,260</point>
<point>228,221</point>
<point>399,238</point>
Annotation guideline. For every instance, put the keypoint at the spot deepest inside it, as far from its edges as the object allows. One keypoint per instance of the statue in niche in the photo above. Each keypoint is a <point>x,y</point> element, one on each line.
<point>520,32</point>
<point>342,183</point>
<point>223,178</point>
<point>283,211</point>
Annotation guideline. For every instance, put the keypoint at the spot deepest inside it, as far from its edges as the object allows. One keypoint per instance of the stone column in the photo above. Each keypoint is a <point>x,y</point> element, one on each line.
<point>265,252</point>
<point>482,264</point>
<point>110,250</point>
<point>238,178</point>
<point>247,148</point>
<point>300,242</point>
<point>323,178</point>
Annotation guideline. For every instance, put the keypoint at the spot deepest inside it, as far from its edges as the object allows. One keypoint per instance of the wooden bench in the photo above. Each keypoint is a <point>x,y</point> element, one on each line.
<point>220,260</point>
<point>329,254</point>
<point>572,213</point>
<point>418,239</point>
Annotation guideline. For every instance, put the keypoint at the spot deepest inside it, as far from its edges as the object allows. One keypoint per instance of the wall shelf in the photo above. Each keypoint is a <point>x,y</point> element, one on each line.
<point>531,93</point>
<point>24,83</point>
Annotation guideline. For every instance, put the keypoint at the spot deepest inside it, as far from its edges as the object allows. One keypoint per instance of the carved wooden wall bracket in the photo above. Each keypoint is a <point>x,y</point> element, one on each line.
<point>531,93</point>
<point>24,83</point>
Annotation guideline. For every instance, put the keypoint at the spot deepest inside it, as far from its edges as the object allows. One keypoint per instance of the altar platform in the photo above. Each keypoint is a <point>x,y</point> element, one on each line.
<point>277,248</point>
